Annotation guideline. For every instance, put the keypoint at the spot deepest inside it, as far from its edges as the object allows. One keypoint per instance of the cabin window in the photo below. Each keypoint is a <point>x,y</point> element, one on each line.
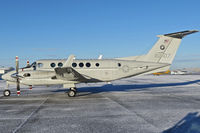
<point>81,64</point>
<point>97,64</point>
<point>27,75</point>
<point>53,65</point>
<point>119,64</point>
<point>60,64</point>
<point>74,64</point>
<point>40,65</point>
<point>88,64</point>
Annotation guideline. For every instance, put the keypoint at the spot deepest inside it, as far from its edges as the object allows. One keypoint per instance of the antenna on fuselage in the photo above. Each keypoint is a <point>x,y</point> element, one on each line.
<point>100,56</point>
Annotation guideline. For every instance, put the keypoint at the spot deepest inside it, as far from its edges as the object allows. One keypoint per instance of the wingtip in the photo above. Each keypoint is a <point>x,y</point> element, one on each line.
<point>195,30</point>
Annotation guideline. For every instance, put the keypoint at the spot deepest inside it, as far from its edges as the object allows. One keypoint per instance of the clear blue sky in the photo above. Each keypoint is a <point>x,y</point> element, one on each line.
<point>35,29</point>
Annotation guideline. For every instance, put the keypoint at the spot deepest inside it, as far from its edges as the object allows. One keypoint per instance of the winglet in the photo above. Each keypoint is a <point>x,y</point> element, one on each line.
<point>69,61</point>
<point>181,34</point>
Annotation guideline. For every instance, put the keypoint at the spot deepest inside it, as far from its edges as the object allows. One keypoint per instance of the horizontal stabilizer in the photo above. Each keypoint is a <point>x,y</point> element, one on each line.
<point>181,34</point>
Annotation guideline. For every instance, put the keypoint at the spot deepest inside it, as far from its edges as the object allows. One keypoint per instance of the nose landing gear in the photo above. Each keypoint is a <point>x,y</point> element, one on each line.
<point>6,93</point>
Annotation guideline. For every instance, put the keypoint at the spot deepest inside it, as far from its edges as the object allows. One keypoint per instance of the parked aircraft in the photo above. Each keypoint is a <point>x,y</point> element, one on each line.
<point>72,71</point>
<point>162,73</point>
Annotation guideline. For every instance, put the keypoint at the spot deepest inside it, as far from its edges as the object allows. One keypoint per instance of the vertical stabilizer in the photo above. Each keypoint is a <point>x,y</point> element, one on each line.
<point>165,48</point>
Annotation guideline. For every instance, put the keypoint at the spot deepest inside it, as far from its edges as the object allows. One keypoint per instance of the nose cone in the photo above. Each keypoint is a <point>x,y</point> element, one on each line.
<point>8,77</point>
<point>5,76</point>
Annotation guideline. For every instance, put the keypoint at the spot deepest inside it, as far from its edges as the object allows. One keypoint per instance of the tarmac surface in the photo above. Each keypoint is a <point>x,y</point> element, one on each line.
<point>143,104</point>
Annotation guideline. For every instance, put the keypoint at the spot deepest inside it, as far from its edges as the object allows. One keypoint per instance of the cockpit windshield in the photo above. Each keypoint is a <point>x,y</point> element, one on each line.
<point>33,65</point>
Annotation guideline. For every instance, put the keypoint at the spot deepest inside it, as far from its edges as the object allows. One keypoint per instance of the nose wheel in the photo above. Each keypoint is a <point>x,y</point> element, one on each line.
<point>72,92</point>
<point>6,93</point>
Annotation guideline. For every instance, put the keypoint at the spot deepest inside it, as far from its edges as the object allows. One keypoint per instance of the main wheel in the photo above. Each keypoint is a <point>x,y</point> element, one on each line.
<point>6,93</point>
<point>72,93</point>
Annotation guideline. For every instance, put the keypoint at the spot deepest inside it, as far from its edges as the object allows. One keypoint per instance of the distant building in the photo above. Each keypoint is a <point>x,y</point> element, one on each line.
<point>178,72</point>
<point>192,71</point>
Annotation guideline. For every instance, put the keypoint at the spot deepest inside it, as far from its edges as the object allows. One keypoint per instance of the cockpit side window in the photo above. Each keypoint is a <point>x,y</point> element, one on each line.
<point>40,65</point>
<point>27,75</point>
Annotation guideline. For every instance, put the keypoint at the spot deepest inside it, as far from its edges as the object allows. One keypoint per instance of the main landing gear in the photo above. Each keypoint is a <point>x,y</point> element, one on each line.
<point>72,92</point>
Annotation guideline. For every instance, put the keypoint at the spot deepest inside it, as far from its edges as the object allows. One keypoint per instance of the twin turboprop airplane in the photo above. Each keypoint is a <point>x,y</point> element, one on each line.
<point>72,71</point>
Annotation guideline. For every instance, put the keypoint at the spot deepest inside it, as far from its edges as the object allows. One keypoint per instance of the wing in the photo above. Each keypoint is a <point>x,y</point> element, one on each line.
<point>68,73</point>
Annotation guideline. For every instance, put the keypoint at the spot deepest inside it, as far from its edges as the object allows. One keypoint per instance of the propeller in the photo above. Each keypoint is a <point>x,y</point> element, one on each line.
<point>17,71</point>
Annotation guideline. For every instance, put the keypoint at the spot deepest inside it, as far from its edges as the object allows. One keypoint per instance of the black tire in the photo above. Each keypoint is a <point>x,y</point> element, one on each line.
<point>6,93</point>
<point>71,93</point>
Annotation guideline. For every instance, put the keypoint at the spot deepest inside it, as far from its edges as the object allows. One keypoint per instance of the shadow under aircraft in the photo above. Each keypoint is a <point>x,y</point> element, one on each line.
<point>135,87</point>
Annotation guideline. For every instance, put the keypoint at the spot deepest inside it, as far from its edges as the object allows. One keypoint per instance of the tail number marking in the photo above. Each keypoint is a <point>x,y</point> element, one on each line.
<point>162,55</point>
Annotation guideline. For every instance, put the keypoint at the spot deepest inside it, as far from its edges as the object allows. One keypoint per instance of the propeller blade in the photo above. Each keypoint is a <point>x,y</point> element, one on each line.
<point>17,64</point>
<point>18,87</point>
<point>17,71</point>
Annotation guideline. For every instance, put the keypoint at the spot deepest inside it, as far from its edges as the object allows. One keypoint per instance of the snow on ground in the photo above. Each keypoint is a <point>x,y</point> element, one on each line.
<point>142,104</point>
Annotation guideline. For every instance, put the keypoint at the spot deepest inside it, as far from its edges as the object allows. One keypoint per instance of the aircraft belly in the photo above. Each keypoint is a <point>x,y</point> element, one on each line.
<point>44,81</point>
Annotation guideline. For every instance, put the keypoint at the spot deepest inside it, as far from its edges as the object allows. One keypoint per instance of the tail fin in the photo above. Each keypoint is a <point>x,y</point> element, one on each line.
<point>166,47</point>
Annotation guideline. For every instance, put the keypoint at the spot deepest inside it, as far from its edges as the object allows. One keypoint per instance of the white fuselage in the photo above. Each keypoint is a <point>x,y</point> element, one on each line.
<point>94,70</point>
